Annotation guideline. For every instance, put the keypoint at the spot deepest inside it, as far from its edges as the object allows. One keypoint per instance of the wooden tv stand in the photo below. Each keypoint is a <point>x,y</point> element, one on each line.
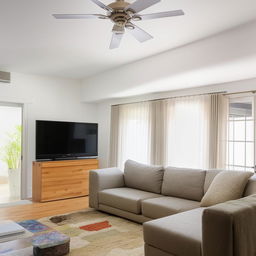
<point>56,180</point>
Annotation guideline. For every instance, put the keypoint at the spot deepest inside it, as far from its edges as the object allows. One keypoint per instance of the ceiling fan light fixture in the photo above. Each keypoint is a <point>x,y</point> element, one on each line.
<point>129,26</point>
<point>136,18</point>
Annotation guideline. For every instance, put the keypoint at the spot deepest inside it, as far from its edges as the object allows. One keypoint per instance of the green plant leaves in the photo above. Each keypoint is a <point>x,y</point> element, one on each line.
<point>11,152</point>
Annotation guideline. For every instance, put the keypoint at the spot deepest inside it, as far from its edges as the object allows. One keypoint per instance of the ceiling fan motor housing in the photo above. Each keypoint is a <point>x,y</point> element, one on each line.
<point>119,16</point>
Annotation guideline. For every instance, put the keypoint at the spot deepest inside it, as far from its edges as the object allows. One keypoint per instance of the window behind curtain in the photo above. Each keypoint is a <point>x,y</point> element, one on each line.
<point>240,144</point>
<point>188,132</point>
<point>134,140</point>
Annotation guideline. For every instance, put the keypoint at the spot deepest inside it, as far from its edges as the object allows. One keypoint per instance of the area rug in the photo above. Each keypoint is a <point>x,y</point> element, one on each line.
<point>92,233</point>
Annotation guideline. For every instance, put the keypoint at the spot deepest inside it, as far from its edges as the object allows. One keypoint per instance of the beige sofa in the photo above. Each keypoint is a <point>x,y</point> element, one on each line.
<point>168,200</point>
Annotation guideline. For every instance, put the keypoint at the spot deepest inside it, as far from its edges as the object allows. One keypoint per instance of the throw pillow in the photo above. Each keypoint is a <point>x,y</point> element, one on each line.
<point>226,186</point>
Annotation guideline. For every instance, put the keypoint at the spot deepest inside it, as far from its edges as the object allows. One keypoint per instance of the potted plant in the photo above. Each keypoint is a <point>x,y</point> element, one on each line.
<point>11,155</point>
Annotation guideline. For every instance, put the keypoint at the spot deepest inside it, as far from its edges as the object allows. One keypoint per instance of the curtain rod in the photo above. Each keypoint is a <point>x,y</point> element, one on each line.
<point>233,93</point>
<point>167,98</point>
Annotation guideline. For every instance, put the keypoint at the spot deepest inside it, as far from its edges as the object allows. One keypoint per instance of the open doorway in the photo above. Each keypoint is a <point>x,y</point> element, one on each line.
<point>10,152</point>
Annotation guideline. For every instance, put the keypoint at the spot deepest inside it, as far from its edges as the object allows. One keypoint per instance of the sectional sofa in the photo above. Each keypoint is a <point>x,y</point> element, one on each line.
<point>168,202</point>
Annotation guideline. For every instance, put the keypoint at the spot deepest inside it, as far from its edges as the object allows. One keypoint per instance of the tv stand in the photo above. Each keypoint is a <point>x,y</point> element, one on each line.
<point>55,180</point>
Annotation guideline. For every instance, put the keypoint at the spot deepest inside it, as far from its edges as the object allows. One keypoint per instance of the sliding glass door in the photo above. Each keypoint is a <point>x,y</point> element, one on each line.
<point>241,137</point>
<point>10,152</point>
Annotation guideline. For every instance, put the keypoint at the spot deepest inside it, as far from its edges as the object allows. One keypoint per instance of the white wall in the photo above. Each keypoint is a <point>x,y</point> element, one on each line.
<point>104,108</point>
<point>45,98</point>
<point>226,57</point>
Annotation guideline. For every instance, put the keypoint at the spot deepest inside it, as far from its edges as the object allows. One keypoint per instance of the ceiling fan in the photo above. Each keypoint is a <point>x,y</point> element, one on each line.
<point>122,14</point>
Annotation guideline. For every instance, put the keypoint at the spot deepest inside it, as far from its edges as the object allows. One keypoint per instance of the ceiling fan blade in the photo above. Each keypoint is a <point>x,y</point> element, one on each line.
<point>160,15</point>
<point>116,40</point>
<point>140,5</point>
<point>80,16</point>
<point>103,6</point>
<point>140,34</point>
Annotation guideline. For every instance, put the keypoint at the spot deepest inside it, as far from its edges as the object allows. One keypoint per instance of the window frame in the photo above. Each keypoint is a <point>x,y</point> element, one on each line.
<point>230,165</point>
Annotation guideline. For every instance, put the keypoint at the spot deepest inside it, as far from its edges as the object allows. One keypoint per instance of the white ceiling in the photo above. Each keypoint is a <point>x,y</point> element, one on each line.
<point>31,41</point>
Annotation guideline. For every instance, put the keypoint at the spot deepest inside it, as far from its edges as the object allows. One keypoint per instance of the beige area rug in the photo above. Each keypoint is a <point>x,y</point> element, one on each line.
<point>92,233</point>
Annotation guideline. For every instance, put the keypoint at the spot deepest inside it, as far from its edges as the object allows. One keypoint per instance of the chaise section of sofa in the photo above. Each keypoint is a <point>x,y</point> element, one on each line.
<point>226,229</point>
<point>178,234</point>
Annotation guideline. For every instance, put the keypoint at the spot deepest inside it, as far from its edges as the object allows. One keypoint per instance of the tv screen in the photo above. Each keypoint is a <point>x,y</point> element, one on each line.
<point>57,140</point>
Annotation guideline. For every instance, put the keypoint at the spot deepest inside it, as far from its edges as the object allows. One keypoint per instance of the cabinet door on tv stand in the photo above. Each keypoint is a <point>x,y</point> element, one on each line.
<point>65,180</point>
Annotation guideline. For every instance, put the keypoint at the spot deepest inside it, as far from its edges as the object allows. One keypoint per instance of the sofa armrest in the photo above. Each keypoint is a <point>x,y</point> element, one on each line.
<point>103,179</point>
<point>229,228</point>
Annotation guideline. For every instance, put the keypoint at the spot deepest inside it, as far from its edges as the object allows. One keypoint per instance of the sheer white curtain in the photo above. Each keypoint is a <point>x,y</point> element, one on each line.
<point>188,120</point>
<point>180,132</point>
<point>218,131</point>
<point>134,135</point>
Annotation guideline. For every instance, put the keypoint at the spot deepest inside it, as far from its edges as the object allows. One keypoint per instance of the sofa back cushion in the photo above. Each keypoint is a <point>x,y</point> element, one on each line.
<point>144,177</point>
<point>226,186</point>
<point>184,183</point>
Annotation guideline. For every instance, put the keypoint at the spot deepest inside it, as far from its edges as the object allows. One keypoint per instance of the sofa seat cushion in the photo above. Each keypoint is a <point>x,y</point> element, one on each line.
<point>179,234</point>
<point>126,199</point>
<point>155,208</point>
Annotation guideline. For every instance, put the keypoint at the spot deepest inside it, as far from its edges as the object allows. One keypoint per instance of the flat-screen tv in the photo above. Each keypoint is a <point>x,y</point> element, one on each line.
<point>62,140</point>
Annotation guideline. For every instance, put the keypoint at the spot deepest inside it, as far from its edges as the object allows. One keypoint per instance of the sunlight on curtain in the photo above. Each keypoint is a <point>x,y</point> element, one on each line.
<point>134,140</point>
<point>188,132</point>
<point>218,131</point>
<point>179,132</point>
